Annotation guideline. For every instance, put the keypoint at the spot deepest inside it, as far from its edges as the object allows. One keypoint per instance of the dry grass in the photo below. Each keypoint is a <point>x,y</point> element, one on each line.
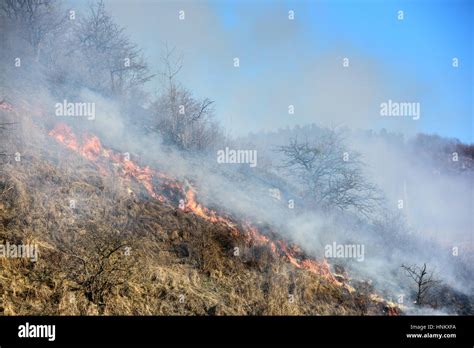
<point>118,254</point>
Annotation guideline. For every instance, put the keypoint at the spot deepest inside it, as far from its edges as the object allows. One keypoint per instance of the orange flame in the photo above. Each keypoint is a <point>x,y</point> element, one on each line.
<point>91,148</point>
<point>199,210</point>
<point>293,254</point>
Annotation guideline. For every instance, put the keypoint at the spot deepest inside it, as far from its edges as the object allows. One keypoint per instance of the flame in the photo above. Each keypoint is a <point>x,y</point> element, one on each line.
<point>91,148</point>
<point>64,134</point>
<point>293,254</point>
<point>391,308</point>
<point>198,209</point>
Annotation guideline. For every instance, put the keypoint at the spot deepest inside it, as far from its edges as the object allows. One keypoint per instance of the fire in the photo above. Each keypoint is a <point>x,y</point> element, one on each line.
<point>391,308</point>
<point>196,208</point>
<point>90,147</point>
<point>293,254</point>
<point>64,134</point>
<point>207,214</point>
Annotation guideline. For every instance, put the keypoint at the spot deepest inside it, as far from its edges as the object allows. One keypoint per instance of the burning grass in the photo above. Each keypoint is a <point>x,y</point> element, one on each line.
<point>113,239</point>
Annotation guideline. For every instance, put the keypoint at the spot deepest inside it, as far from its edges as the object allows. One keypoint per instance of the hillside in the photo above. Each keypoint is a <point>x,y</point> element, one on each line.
<point>115,250</point>
<point>146,185</point>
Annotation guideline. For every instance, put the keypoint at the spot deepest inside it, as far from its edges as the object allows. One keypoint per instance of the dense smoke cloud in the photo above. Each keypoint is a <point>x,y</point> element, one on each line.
<point>436,215</point>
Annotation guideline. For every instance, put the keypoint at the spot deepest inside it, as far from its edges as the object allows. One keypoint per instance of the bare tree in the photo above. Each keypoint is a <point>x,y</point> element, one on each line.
<point>330,175</point>
<point>36,19</point>
<point>115,64</point>
<point>423,279</point>
<point>182,120</point>
<point>97,262</point>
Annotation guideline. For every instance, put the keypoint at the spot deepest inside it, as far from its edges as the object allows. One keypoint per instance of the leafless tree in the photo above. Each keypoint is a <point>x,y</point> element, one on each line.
<point>35,19</point>
<point>330,175</point>
<point>182,120</point>
<point>97,262</point>
<point>115,64</point>
<point>423,279</point>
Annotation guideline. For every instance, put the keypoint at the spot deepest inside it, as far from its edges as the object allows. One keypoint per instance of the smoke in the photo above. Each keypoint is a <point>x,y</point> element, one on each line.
<point>244,192</point>
<point>434,221</point>
<point>436,215</point>
<point>280,64</point>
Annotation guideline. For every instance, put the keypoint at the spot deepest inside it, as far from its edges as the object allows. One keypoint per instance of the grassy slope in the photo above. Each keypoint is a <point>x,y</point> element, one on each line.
<point>176,264</point>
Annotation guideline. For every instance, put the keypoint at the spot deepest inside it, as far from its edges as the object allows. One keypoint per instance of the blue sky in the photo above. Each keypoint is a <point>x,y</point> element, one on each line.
<point>299,62</point>
<point>423,44</point>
